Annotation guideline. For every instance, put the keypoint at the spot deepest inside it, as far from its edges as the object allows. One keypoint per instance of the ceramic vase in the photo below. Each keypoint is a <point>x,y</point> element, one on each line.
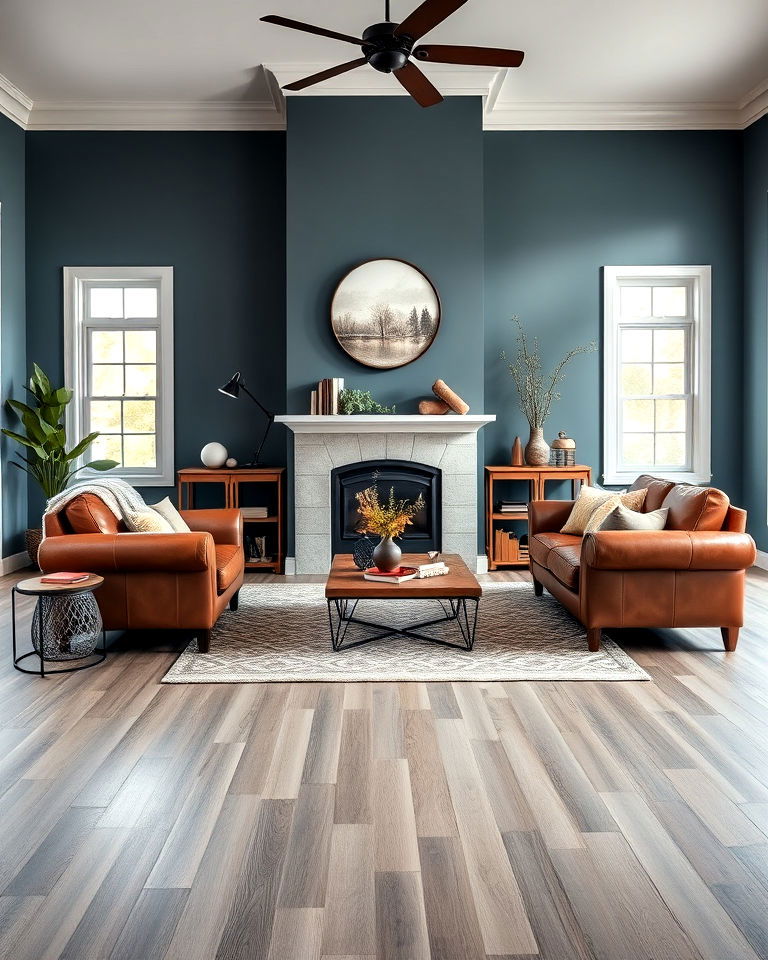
<point>537,449</point>
<point>387,555</point>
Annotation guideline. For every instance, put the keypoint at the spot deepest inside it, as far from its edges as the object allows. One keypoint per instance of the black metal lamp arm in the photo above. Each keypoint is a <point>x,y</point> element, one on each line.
<point>270,420</point>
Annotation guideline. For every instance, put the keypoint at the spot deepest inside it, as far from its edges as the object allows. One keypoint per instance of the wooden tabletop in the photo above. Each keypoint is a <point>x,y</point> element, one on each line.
<point>34,586</point>
<point>345,581</point>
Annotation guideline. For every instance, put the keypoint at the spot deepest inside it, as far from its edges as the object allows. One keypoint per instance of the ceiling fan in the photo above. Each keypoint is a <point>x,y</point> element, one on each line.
<point>388,48</point>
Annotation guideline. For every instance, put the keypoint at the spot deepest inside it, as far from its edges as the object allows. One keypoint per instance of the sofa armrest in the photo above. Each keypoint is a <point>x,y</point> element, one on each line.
<point>548,516</point>
<point>225,526</point>
<point>128,552</point>
<point>668,550</point>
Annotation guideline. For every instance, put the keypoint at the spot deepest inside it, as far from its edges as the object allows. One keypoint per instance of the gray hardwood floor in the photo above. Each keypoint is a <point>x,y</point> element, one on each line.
<point>617,821</point>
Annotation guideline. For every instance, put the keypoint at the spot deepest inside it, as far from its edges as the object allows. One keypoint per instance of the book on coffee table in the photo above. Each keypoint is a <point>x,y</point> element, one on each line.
<point>394,576</point>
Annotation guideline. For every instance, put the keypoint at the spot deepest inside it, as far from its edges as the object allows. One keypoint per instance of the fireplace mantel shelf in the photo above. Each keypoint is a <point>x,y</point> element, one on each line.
<point>395,423</point>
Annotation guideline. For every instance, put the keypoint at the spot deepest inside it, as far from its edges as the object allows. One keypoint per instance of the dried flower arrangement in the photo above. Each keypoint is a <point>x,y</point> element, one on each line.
<point>387,519</point>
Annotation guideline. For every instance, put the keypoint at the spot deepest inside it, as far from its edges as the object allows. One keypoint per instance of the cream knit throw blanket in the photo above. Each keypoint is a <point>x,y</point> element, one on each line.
<point>120,497</point>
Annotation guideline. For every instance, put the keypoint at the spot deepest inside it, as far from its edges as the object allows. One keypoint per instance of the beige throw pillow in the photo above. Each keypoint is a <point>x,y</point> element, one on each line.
<point>168,512</point>
<point>593,505</point>
<point>621,518</point>
<point>147,522</point>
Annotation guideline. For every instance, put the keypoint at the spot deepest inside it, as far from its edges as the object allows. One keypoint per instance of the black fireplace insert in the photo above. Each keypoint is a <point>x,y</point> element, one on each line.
<point>408,480</point>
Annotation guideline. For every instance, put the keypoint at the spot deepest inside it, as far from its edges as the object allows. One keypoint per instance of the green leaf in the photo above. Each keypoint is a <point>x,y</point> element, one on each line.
<point>62,396</point>
<point>20,408</point>
<point>102,464</point>
<point>81,447</point>
<point>41,381</point>
<point>27,443</point>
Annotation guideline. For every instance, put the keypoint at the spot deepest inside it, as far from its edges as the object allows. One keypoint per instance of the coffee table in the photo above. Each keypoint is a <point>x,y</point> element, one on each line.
<point>458,594</point>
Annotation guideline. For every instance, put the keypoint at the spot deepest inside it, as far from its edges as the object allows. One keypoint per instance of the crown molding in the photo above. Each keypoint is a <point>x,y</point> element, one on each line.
<point>14,104</point>
<point>499,113</point>
<point>533,115</point>
<point>451,81</point>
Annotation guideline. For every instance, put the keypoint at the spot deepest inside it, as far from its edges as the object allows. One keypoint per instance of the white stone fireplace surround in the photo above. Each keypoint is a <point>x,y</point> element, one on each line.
<point>322,443</point>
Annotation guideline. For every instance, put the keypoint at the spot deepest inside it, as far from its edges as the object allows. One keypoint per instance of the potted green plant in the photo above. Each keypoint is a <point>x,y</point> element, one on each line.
<point>46,458</point>
<point>537,389</point>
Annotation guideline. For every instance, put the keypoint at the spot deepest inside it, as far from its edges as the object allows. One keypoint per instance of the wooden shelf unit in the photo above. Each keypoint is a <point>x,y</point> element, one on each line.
<point>232,480</point>
<point>537,478</point>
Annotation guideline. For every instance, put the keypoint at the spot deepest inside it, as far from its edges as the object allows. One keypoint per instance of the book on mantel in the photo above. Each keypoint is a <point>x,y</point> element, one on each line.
<point>324,401</point>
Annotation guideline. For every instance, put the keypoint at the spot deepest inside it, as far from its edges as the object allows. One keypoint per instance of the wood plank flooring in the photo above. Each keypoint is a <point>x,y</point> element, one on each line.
<point>485,821</point>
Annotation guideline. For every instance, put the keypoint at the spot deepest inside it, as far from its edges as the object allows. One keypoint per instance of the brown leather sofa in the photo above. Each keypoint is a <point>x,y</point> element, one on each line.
<point>690,574</point>
<point>152,581</point>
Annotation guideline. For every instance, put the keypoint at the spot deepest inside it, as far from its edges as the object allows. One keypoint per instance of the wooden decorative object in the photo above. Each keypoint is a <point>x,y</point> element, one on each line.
<point>518,458</point>
<point>441,390</point>
<point>562,451</point>
<point>433,407</point>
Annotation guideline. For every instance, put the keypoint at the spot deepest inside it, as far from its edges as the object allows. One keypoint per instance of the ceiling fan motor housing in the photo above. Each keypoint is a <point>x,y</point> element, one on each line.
<point>384,51</point>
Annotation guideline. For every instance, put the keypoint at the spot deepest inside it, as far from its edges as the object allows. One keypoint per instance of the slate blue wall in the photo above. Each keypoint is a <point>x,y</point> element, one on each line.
<point>212,205</point>
<point>13,360</point>
<point>382,177</point>
<point>755,383</point>
<point>558,207</point>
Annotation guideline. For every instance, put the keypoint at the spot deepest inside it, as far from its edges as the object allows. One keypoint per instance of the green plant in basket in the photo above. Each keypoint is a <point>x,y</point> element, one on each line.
<point>47,459</point>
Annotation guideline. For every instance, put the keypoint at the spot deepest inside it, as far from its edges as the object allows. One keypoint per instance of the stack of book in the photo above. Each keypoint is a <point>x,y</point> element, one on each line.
<point>513,507</point>
<point>506,547</point>
<point>254,513</point>
<point>325,400</point>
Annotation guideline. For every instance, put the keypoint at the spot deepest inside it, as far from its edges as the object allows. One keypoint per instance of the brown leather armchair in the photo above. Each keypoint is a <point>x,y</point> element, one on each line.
<point>688,575</point>
<point>158,581</point>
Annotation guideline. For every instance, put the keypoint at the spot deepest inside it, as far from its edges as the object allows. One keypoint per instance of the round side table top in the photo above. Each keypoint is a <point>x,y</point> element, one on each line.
<point>35,587</point>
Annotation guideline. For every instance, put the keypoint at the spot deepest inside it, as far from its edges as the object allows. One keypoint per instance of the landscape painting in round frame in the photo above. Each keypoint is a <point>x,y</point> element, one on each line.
<point>385,313</point>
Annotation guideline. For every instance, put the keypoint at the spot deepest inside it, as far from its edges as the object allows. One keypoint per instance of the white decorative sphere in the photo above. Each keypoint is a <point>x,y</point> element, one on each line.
<point>231,463</point>
<point>214,455</point>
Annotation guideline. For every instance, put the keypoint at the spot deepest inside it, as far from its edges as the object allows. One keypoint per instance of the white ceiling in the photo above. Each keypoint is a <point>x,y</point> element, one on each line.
<point>633,62</point>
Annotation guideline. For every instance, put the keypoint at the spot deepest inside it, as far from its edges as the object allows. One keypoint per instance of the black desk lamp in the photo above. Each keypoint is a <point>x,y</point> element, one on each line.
<point>232,388</point>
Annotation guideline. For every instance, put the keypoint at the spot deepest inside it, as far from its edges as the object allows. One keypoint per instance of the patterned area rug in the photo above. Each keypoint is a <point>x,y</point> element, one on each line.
<point>281,634</point>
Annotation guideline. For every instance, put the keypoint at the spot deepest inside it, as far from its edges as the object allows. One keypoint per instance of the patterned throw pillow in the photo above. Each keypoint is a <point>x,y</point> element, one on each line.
<point>168,512</point>
<point>147,522</point>
<point>620,518</point>
<point>593,506</point>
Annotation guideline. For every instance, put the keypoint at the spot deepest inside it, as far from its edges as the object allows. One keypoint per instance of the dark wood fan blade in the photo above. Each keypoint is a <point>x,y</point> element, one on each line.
<point>308,28</point>
<point>324,75</point>
<point>427,16</point>
<point>420,88</point>
<point>474,56</point>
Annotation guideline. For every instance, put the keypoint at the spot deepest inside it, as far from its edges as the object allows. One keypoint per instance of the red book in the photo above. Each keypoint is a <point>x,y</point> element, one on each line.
<point>64,577</point>
<point>391,576</point>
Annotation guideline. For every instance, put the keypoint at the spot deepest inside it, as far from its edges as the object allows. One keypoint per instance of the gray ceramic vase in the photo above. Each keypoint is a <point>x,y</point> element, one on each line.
<point>387,555</point>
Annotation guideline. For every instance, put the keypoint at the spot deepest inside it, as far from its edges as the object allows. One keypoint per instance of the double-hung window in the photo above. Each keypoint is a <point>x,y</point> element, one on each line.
<point>118,341</point>
<point>657,373</point>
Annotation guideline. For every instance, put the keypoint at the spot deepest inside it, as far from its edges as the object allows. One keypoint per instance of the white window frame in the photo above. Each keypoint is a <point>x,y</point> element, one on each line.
<point>699,279</point>
<point>76,280</point>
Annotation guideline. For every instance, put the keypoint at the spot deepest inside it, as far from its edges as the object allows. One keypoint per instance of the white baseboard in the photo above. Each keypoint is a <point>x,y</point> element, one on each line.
<point>482,564</point>
<point>762,560</point>
<point>290,566</point>
<point>17,561</point>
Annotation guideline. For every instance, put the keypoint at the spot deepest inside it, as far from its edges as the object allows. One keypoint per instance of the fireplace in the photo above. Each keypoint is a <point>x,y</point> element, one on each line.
<point>408,479</point>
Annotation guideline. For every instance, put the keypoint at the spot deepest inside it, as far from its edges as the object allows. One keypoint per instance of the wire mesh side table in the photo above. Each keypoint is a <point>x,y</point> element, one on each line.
<point>66,624</point>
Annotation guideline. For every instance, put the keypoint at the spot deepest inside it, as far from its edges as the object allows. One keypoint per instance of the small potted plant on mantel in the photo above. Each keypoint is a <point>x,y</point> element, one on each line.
<point>537,390</point>
<point>387,520</point>
<point>47,460</point>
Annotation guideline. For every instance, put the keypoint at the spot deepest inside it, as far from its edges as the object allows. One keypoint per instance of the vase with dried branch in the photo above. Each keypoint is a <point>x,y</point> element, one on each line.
<point>537,389</point>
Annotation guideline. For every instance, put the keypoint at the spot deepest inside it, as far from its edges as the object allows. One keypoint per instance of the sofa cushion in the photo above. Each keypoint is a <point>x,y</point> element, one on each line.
<point>88,513</point>
<point>593,505</point>
<point>620,518</point>
<point>564,564</point>
<point>541,544</point>
<point>695,508</point>
<point>230,560</point>
<point>656,489</point>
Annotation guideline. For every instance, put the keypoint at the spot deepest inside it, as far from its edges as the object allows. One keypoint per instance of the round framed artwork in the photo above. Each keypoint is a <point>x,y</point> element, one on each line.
<point>385,313</point>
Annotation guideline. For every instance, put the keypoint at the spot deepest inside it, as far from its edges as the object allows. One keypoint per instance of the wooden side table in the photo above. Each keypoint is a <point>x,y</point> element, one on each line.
<point>233,480</point>
<point>65,625</point>
<point>537,478</point>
